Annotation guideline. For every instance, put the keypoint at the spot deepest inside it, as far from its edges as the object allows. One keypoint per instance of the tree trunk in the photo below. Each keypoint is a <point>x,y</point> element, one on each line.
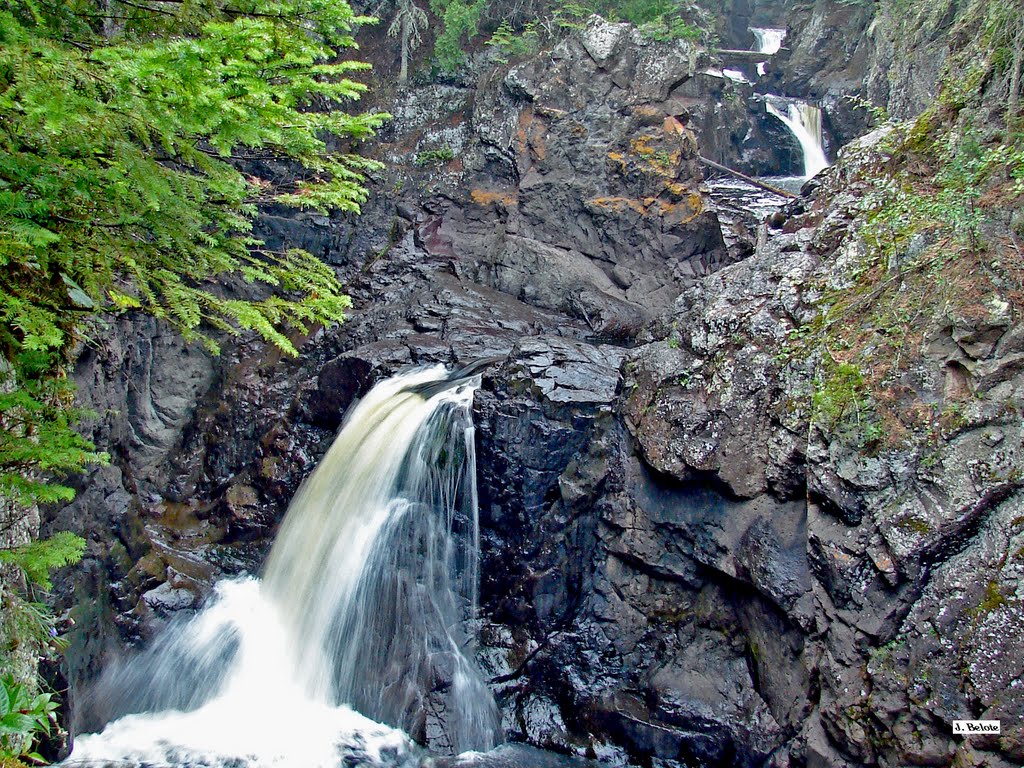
<point>403,73</point>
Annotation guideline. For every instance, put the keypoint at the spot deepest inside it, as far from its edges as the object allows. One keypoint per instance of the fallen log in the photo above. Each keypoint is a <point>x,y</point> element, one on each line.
<point>748,179</point>
<point>755,56</point>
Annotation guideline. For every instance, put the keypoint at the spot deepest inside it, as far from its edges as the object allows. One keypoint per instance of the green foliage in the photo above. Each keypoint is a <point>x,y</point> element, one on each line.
<point>1002,35</point>
<point>898,209</point>
<point>531,25</point>
<point>668,28</point>
<point>27,627</point>
<point>24,717</point>
<point>571,15</point>
<point>838,394</point>
<point>993,600</point>
<point>123,129</point>
<point>37,439</point>
<point>637,12</point>
<point>116,186</point>
<point>879,115</point>
<point>438,156</point>
<point>660,20</point>
<point>986,39</point>
<point>510,43</point>
<point>37,558</point>
<point>460,20</point>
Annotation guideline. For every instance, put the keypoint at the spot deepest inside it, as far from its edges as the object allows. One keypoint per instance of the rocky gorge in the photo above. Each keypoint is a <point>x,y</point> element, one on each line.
<point>697,547</point>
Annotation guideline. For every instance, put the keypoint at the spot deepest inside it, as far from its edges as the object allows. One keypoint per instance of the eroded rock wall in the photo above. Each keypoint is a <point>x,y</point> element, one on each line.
<point>907,556</point>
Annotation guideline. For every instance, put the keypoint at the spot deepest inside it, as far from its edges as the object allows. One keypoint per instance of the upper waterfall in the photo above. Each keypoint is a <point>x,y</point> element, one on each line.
<point>359,615</point>
<point>804,121</point>
<point>769,39</point>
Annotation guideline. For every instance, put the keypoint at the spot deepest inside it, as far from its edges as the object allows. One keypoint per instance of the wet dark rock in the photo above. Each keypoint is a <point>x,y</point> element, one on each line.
<point>338,384</point>
<point>599,178</point>
<point>513,756</point>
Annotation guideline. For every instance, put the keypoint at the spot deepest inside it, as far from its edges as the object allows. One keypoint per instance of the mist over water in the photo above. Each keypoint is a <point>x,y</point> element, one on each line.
<point>359,616</point>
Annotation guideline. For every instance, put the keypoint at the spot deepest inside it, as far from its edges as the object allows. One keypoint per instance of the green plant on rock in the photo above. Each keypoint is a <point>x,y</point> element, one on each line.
<point>24,717</point>
<point>660,20</point>
<point>839,394</point>
<point>438,156</point>
<point>879,115</point>
<point>525,27</point>
<point>1003,35</point>
<point>992,600</point>
<point>460,21</point>
<point>509,43</point>
<point>37,558</point>
<point>28,632</point>
<point>667,28</point>
<point>571,16</point>
<point>841,404</point>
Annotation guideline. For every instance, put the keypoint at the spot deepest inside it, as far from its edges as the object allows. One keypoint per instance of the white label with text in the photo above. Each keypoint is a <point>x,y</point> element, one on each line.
<point>968,727</point>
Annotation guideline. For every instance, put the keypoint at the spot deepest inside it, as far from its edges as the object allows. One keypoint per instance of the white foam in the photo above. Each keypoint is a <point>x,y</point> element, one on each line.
<point>262,717</point>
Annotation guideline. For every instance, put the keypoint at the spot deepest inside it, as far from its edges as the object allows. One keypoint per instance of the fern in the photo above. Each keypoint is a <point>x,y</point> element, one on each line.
<point>36,559</point>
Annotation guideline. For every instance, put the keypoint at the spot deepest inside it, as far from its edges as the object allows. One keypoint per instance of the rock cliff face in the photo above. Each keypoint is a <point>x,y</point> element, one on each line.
<point>566,208</point>
<point>883,650</point>
<point>682,563</point>
<point>837,53</point>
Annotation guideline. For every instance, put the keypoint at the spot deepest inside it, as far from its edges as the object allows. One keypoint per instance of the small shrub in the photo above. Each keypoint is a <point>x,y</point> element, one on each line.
<point>510,43</point>
<point>460,21</point>
<point>667,28</point>
<point>838,394</point>
<point>438,156</point>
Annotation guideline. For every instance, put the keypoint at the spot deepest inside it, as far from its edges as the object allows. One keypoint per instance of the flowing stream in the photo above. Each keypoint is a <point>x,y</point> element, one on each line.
<point>357,621</point>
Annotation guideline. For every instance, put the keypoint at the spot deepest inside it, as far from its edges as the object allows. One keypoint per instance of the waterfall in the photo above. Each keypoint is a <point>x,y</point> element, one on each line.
<point>769,40</point>
<point>358,618</point>
<point>804,121</point>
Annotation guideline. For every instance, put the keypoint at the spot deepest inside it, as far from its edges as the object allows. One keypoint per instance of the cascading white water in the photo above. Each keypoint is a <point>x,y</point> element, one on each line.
<point>360,608</point>
<point>804,121</point>
<point>768,40</point>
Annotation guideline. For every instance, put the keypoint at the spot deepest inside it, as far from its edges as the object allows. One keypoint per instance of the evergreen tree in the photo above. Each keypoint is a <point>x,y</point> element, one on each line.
<point>409,22</point>
<point>122,126</point>
<point>125,126</point>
